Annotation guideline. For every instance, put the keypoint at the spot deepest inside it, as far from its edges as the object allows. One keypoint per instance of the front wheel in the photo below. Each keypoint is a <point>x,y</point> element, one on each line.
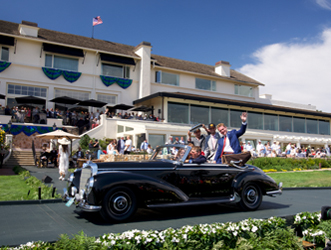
<point>251,197</point>
<point>119,204</point>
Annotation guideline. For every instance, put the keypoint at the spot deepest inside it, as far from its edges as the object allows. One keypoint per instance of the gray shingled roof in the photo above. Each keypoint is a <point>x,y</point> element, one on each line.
<point>116,48</point>
<point>199,68</point>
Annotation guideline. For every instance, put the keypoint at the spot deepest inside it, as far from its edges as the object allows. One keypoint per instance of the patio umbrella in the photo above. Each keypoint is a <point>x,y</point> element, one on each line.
<point>65,100</point>
<point>92,103</point>
<point>58,134</point>
<point>2,96</point>
<point>141,108</point>
<point>122,106</point>
<point>30,99</point>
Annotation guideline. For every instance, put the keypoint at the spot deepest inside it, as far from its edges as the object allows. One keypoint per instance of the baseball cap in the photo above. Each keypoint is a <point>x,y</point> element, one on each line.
<point>211,125</point>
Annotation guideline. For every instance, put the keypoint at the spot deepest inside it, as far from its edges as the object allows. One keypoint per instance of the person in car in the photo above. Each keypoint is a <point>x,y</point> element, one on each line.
<point>195,156</point>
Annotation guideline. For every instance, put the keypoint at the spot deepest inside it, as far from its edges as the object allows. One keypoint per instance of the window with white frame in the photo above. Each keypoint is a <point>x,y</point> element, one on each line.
<point>73,94</point>
<point>4,54</point>
<point>167,78</point>
<point>205,84</point>
<point>115,70</point>
<point>110,99</point>
<point>243,90</point>
<point>26,90</point>
<point>61,62</point>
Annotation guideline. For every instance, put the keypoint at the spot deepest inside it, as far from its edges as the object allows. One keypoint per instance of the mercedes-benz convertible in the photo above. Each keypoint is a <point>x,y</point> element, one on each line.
<point>117,189</point>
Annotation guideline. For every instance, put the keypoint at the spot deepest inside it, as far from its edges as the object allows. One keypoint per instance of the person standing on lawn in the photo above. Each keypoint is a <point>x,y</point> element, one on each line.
<point>63,158</point>
<point>2,155</point>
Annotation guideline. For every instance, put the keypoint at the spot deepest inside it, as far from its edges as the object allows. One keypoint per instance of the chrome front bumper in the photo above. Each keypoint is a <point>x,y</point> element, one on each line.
<point>89,208</point>
<point>279,191</point>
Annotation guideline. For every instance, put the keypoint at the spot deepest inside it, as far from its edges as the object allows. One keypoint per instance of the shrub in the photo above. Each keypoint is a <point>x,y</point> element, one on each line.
<point>289,164</point>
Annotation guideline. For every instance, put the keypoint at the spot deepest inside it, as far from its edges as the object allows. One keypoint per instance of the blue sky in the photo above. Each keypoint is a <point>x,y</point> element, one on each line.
<point>277,42</point>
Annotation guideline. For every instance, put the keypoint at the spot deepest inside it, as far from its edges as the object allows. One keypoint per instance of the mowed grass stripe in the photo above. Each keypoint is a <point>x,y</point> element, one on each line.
<point>303,179</point>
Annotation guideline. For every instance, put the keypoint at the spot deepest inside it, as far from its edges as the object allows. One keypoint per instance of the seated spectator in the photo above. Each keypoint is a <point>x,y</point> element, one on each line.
<point>149,149</point>
<point>80,154</point>
<point>95,123</point>
<point>273,153</point>
<point>88,155</point>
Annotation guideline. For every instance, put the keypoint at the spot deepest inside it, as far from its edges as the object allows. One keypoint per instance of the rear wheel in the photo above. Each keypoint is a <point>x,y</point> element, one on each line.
<point>251,197</point>
<point>119,204</point>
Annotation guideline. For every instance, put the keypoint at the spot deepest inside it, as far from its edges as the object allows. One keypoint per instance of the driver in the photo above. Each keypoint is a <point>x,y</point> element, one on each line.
<point>195,156</point>
<point>180,154</point>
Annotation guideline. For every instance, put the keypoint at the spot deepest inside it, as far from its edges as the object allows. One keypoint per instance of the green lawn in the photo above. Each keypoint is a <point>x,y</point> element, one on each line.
<point>303,179</point>
<point>13,188</point>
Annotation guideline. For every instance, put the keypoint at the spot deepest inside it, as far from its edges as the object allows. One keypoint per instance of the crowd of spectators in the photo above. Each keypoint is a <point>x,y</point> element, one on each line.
<point>131,115</point>
<point>82,119</point>
<point>290,151</point>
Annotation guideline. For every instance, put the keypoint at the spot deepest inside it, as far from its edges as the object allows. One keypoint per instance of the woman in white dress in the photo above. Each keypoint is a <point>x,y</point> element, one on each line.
<point>63,158</point>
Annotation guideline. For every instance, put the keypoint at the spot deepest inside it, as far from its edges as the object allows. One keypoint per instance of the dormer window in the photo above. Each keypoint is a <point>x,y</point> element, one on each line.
<point>115,70</point>
<point>167,78</point>
<point>4,54</point>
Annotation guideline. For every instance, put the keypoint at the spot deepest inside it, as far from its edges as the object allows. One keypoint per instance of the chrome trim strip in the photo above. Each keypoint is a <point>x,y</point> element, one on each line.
<point>185,167</point>
<point>133,169</point>
<point>190,203</point>
<point>89,208</point>
<point>271,193</point>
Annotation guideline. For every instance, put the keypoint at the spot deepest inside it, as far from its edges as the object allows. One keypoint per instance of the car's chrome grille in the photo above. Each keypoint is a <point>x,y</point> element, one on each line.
<point>85,175</point>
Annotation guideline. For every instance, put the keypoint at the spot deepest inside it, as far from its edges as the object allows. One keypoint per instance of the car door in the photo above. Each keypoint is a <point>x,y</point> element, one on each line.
<point>205,180</point>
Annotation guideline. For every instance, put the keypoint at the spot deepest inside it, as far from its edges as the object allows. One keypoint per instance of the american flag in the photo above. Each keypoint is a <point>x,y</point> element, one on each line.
<point>97,20</point>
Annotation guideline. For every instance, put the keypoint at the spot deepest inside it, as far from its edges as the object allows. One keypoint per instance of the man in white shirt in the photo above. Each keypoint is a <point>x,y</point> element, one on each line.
<point>249,147</point>
<point>211,142</point>
<point>260,149</point>
<point>128,145</point>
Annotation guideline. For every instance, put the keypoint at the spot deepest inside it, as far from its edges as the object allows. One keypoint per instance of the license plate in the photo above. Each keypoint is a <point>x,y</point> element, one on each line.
<point>69,202</point>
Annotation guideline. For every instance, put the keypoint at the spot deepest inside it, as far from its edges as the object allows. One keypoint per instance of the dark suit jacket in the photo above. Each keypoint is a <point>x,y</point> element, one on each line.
<point>199,160</point>
<point>233,136</point>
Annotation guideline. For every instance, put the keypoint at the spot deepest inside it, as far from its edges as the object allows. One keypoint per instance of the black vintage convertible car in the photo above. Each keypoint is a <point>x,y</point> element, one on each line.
<point>117,189</point>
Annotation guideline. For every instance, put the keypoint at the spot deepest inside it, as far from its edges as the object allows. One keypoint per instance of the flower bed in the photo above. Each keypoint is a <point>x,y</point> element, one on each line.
<point>272,233</point>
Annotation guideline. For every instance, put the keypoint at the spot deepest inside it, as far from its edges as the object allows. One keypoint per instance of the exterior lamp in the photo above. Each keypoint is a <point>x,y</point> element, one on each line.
<point>9,126</point>
<point>54,127</point>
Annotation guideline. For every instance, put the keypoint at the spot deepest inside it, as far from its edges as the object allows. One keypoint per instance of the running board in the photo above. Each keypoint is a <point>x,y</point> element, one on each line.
<point>232,199</point>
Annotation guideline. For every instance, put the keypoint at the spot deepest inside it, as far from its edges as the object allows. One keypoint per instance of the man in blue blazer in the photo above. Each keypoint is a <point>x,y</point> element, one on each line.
<point>232,144</point>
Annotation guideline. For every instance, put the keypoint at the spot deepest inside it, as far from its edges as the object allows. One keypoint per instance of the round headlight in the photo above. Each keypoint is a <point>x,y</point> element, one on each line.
<point>89,185</point>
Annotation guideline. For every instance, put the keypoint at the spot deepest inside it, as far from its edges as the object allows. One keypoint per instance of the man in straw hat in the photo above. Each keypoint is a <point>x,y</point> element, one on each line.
<point>63,157</point>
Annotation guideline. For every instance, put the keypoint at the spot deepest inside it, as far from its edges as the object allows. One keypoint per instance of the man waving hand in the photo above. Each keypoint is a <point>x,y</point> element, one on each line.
<point>229,142</point>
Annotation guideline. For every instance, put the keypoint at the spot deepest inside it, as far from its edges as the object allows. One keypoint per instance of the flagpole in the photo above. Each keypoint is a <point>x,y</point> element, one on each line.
<point>92,31</point>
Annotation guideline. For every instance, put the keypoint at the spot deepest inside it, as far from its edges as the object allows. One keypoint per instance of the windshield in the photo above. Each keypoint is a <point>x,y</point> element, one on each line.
<point>176,152</point>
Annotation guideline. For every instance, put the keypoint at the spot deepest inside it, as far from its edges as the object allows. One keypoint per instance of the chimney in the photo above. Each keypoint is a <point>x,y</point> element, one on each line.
<point>144,50</point>
<point>28,29</point>
<point>222,68</point>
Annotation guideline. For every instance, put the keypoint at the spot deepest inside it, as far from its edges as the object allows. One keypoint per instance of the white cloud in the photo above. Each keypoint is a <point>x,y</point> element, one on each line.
<point>296,72</point>
<point>325,4</point>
